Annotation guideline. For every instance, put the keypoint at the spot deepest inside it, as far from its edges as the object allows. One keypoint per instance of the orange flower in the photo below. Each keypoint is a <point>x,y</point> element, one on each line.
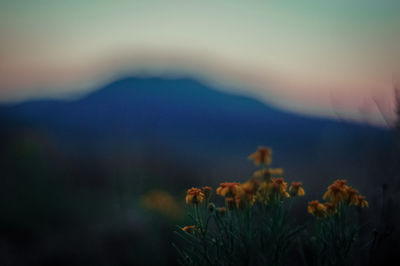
<point>251,186</point>
<point>361,201</point>
<point>194,196</point>
<point>189,229</point>
<point>248,193</point>
<point>229,189</point>
<point>207,191</point>
<point>261,156</point>
<point>317,209</point>
<point>279,185</point>
<point>340,182</point>
<point>330,208</point>
<point>296,189</point>
<point>336,192</point>
<point>351,195</point>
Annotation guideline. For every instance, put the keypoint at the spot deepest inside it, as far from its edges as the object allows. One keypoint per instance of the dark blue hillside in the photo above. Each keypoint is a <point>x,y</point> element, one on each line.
<point>135,105</point>
<point>187,120</point>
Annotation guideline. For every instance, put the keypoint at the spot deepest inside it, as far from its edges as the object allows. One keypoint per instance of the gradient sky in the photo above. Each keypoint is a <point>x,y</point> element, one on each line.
<point>331,58</point>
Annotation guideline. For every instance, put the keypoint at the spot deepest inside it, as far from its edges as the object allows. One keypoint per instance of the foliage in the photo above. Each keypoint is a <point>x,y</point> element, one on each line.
<point>255,226</point>
<point>335,229</point>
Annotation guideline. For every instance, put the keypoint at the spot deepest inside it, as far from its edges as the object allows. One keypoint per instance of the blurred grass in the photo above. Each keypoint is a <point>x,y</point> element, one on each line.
<point>57,210</point>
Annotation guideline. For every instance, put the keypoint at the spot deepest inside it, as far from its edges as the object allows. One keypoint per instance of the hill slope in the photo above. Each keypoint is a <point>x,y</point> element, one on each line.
<point>184,121</point>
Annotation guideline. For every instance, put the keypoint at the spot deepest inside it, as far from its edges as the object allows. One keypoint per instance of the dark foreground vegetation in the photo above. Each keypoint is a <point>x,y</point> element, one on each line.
<point>101,180</point>
<point>257,225</point>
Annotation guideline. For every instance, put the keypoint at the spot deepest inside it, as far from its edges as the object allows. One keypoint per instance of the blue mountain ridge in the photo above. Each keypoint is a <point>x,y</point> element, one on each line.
<point>184,118</point>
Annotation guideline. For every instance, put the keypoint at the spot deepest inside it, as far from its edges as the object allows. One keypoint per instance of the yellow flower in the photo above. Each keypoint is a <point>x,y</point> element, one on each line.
<point>296,189</point>
<point>261,156</point>
<point>361,201</point>
<point>189,229</point>
<point>266,174</point>
<point>194,196</point>
<point>317,209</point>
<point>336,192</point>
<point>229,189</point>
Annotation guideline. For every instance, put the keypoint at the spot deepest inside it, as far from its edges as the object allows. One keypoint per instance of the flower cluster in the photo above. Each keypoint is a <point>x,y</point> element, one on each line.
<point>244,195</point>
<point>338,194</point>
<point>296,189</point>
<point>265,186</point>
<point>194,196</point>
<point>258,211</point>
<point>253,210</point>
<point>316,208</point>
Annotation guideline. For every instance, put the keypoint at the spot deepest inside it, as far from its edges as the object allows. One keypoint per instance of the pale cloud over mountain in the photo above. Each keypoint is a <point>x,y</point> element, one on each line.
<point>318,57</point>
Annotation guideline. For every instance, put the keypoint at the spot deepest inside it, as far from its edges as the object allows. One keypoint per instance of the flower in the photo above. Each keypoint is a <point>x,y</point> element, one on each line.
<point>234,193</point>
<point>337,191</point>
<point>207,191</point>
<point>317,209</point>
<point>247,195</point>
<point>266,174</point>
<point>351,195</point>
<point>361,201</point>
<point>250,187</point>
<point>340,182</point>
<point>189,229</point>
<point>263,193</point>
<point>229,189</point>
<point>261,156</point>
<point>279,185</point>
<point>194,196</point>
<point>296,189</point>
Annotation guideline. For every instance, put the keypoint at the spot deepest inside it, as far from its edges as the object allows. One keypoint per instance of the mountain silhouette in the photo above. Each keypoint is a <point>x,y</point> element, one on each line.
<point>193,124</point>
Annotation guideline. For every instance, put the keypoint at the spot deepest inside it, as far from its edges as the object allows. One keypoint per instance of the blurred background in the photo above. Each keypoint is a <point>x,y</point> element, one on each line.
<point>110,111</point>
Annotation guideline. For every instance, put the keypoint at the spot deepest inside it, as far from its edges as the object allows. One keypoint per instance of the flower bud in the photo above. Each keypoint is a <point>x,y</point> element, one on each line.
<point>211,207</point>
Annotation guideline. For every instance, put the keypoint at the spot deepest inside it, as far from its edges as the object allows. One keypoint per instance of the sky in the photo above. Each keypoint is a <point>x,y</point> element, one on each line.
<point>327,58</point>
